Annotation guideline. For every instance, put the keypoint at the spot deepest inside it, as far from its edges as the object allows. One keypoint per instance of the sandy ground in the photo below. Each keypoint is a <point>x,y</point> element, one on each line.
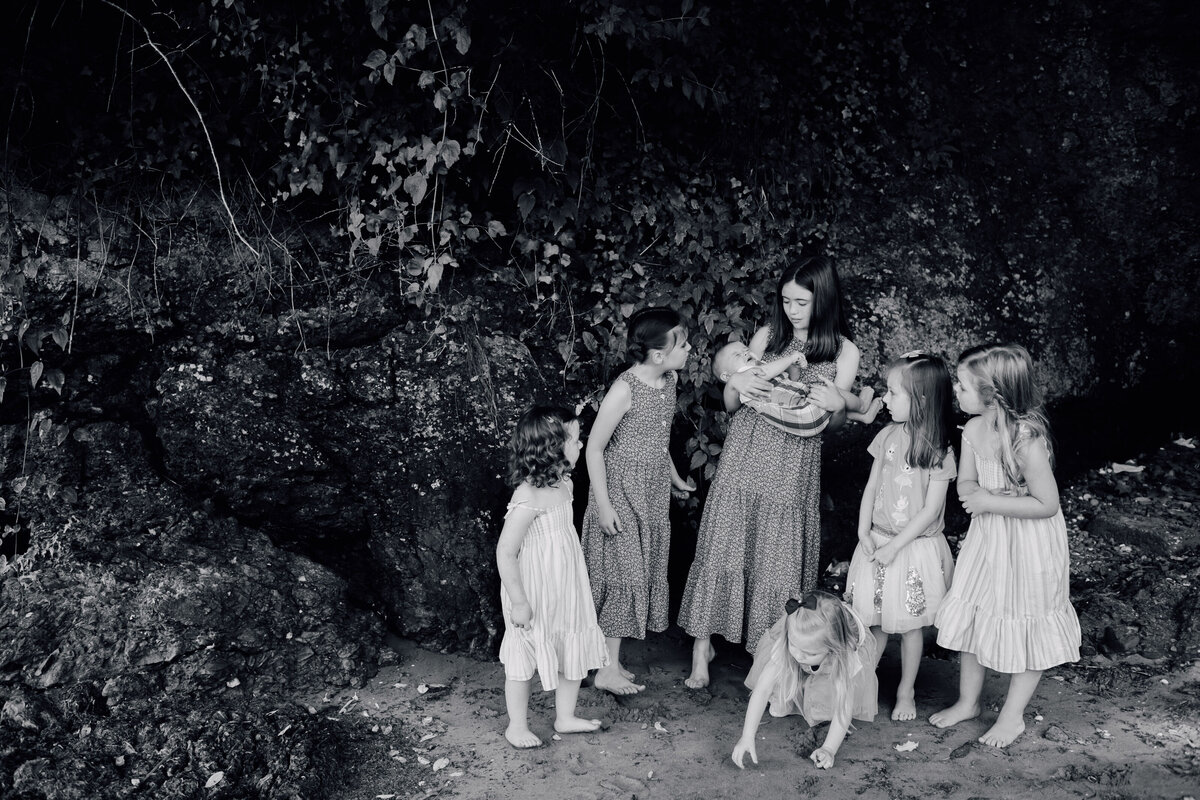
<point>1099,729</point>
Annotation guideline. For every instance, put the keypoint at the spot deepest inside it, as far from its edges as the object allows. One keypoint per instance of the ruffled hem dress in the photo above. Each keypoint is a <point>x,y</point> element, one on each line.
<point>906,594</point>
<point>629,568</point>
<point>1010,601</point>
<point>808,692</point>
<point>759,542</point>
<point>563,637</point>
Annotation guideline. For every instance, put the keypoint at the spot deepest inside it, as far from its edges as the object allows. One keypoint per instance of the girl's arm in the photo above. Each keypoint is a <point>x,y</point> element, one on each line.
<point>754,711</point>
<point>935,504</point>
<point>827,395</point>
<point>968,476</point>
<point>516,525</point>
<point>866,508</point>
<point>778,366</point>
<point>747,382</point>
<point>612,409</point>
<point>823,756</point>
<point>1042,501</point>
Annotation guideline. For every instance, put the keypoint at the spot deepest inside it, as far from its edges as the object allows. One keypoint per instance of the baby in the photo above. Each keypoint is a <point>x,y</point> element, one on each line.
<point>787,407</point>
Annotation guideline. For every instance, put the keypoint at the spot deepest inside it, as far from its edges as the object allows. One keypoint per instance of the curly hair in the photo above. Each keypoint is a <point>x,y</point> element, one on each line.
<point>926,378</point>
<point>1004,377</point>
<point>535,451</point>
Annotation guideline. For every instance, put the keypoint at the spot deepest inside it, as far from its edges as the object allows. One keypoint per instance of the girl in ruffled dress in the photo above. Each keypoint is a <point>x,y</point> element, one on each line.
<point>1009,608</point>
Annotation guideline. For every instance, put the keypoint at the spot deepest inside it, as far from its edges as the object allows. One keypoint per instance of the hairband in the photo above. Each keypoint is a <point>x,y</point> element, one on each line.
<point>915,354</point>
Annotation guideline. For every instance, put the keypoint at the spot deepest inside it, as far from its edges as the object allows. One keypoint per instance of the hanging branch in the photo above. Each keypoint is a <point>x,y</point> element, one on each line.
<point>208,138</point>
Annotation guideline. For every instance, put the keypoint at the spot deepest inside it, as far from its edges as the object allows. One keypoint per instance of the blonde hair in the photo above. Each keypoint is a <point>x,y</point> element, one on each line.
<point>1004,378</point>
<point>825,618</point>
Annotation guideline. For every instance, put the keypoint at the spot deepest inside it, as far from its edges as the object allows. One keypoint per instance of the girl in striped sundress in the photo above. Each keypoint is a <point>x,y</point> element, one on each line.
<point>1008,608</point>
<point>550,625</point>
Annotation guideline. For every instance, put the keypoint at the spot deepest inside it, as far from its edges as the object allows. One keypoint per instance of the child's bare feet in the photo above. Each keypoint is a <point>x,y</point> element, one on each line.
<point>954,714</point>
<point>521,738</point>
<point>624,672</point>
<point>576,725</point>
<point>906,707</point>
<point>874,406</point>
<point>611,679</point>
<point>1003,732</point>
<point>702,654</point>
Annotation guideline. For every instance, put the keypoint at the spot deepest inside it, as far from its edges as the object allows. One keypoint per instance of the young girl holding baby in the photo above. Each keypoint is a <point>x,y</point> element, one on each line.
<point>550,625</point>
<point>817,661</point>
<point>1009,607</point>
<point>902,564</point>
<point>626,528</point>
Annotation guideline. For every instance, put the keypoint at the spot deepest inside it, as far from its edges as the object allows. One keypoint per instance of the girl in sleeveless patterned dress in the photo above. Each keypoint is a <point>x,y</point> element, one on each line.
<point>760,535</point>
<point>626,528</point>
<point>1009,608</point>
<point>902,564</point>
<point>550,625</point>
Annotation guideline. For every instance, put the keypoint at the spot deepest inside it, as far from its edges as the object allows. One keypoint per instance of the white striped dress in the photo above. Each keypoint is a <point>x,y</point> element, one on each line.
<point>563,637</point>
<point>1010,602</point>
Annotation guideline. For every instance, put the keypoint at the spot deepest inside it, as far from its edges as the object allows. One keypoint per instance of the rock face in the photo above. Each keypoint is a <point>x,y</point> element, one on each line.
<point>384,459</point>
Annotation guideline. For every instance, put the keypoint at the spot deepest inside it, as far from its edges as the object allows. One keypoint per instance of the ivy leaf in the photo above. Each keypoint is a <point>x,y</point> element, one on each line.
<point>60,337</point>
<point>426,80</point>
<point>525,204</point>
<point>35,373</point>
<point>415,185</point>
<point>55,379</point>
<point>3,386</point>
<point>496,228</point>
<point>434,276</point>
<point>389,72</point>
<point>462,40</point>
<point>375,60</point>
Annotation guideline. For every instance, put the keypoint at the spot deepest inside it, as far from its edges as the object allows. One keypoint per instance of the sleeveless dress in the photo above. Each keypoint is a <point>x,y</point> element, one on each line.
<point>801,690</point>
<point>904,595</point>
<point>1009,604</point>
<point>563,636</point>
<point>759,541</point>
<point>629,569</point>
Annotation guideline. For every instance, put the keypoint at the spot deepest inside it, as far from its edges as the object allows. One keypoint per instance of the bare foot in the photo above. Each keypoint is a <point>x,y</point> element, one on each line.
<point>576,725</point>
<point>702,654</point>
<point>873,408</point>
<point>1003,733</point>
<point>624,672</point>
<point>521,738</point>
<point>611,680</point>
<point>954,715</point>
<point>906,707</point>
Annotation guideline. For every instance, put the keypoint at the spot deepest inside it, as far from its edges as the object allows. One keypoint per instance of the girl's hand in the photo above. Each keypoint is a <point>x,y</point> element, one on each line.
<point>799,360</point>
<point>885,554</point>
<point>827,396</point>
<point>743,747</point>
<point>822,758</point>
<point>682,488</point>
<point>977,502</point>
<point>522,616</point>
<point>867,543</point>
<point>610,523</point>
<point>753,386</point>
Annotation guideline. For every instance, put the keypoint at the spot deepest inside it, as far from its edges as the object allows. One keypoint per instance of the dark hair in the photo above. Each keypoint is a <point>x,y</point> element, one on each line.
<point>535,451</point>
<point>649,329</point>
<point>827,325</point>
<point>1004,377</point>
<point>926,379</point>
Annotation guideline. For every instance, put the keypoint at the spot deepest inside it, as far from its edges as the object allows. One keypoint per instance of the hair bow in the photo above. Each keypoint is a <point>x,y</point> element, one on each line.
<point>809,602</point>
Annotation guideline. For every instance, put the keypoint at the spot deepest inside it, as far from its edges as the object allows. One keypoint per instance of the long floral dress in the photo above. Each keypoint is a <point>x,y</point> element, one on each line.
<point>629,569</point>
<point>759,541</point>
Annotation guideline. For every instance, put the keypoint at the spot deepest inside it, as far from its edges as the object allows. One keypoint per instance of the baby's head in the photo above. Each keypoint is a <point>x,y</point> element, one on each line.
<point>731,358</point>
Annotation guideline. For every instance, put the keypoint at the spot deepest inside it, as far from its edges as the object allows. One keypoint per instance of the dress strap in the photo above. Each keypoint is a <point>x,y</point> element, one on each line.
<point>514,505</point>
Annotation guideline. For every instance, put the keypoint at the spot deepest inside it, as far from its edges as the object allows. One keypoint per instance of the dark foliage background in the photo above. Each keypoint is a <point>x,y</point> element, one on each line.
<point>292,268</point>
